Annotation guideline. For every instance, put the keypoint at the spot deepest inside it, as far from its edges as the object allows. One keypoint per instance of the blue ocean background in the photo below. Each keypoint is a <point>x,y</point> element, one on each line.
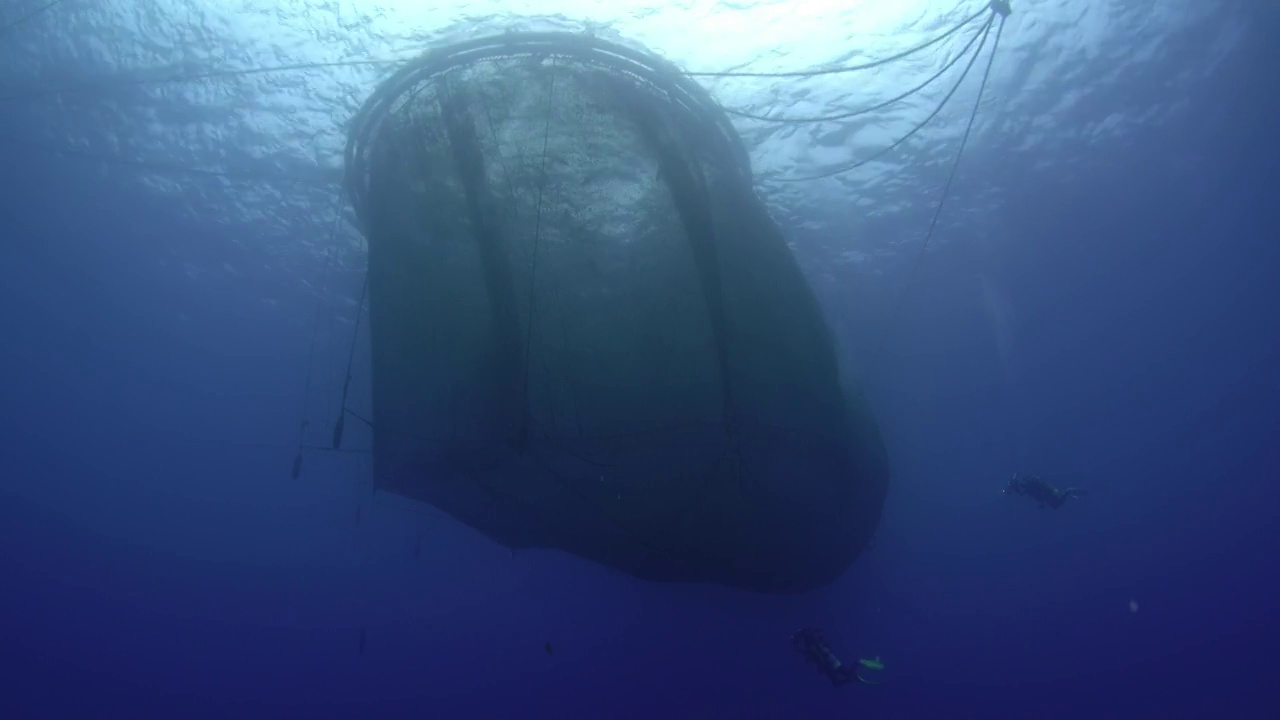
<point>1100,305</point>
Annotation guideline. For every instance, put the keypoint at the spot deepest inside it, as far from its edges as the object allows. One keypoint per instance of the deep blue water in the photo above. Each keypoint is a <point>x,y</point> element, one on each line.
<point>157,561</point>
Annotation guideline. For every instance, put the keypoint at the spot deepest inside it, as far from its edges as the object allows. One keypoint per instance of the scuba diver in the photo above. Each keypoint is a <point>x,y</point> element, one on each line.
<point>1040,490</point>
<point>809,642</point>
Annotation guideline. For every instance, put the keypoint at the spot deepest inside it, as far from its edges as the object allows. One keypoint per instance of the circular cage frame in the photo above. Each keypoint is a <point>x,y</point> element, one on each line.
<point>661,78</point>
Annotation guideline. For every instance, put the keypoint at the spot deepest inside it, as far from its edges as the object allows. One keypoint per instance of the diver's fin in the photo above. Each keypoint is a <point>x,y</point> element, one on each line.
<point>865,681</point>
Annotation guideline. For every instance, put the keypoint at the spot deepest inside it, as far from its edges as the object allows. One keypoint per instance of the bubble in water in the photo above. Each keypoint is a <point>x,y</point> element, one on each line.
<point>1133,606</point>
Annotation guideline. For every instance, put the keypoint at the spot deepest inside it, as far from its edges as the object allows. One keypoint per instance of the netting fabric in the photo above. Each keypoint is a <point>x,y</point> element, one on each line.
<point>587,332</point>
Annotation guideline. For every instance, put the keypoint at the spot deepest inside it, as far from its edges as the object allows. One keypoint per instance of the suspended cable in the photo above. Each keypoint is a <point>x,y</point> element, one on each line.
<point>99,86</point>
<point>946,190</point>
<point>919,126</point>
<point>89,88</point>
<point>846,115</point>
<point>24,18</point>
<point>497,144</point>
<point>516,211</point>
<point>850,68</point>
<point>533,263</point>
<point>315,332</point>
<point>346,383</point>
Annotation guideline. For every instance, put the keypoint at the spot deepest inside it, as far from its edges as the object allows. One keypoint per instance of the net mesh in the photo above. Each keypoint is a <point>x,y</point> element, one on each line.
<point>587,332</point>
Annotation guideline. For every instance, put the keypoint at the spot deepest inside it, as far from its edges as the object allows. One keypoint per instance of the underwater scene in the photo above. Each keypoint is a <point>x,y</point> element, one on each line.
<point>639,359</point>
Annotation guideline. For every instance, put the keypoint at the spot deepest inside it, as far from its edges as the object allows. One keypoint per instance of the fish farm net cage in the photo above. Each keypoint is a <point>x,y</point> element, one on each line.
<point>587,332</point>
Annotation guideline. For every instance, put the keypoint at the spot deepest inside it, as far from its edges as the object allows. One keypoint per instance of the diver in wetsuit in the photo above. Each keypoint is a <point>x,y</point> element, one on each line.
<point>1040,490</point>
<point>809,642</point>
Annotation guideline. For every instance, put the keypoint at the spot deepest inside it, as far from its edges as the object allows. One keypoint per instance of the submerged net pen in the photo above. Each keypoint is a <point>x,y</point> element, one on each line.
<point>587,333</point>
